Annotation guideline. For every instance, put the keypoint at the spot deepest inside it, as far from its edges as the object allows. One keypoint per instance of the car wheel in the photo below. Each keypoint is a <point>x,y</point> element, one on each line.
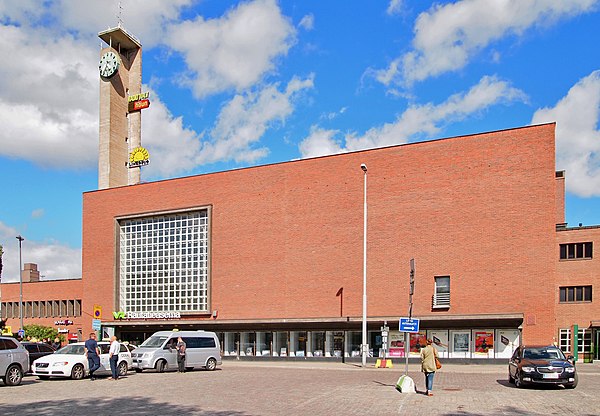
<point>123,368</point>
<point>77,372</point>
<point>211,364</point>
<point>44,377</point>
<point>511,379</point>
<point>518,382</point>
<point>14,375</point>
<point>573,384</point>
<point>160,366</point>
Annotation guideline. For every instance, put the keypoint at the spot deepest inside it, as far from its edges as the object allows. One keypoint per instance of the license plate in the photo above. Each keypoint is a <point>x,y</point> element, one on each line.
<point>551,375</point>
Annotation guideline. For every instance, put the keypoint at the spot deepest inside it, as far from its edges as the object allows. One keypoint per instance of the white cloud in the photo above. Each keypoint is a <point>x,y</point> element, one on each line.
<point>240,125</point>
<point>577,135</point>
<point>173,147</point>
<point>54,260</point>
<point>235,51</point>
<point>244,120</point>
<point>416,122</point>
<point>50,104</point>
<point>37,213</point>
<point>394,7</point>
<point>307,22</point>
<point>448,35</point>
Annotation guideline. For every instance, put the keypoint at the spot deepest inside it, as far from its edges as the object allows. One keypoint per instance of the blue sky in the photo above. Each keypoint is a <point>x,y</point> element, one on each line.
<point>236,84</point>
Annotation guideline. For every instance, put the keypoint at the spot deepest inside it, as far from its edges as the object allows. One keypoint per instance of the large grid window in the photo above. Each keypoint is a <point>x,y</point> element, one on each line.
<point>565,339</point>
<point>164,263</point>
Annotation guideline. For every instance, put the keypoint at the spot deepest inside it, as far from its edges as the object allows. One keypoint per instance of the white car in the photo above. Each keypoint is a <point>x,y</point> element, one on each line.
<point>70,361</point>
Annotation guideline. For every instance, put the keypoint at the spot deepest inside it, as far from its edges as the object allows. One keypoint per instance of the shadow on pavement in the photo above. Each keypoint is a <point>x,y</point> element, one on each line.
<point>131,406</point>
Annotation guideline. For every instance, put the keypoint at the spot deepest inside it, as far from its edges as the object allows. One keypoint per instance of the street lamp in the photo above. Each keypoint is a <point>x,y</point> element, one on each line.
<point>20,281</point>
<point>365,345</point>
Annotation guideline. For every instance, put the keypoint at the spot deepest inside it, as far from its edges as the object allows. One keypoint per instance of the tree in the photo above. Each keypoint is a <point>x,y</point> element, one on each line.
<point>40,332</point>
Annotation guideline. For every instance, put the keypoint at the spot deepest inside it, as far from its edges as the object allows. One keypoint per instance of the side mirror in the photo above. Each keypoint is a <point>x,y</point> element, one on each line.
<point>570,358</point>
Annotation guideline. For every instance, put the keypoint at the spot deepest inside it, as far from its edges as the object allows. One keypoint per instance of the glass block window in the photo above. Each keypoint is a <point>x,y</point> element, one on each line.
<point>163,263</point>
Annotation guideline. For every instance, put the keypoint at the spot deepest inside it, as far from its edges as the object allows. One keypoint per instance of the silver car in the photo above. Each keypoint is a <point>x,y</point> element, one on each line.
<point>14,361</point>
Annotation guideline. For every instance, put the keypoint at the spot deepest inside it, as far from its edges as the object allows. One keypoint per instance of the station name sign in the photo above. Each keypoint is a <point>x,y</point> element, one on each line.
<point>63,322</point>
<point>138,102</point>
<point>146,315</point>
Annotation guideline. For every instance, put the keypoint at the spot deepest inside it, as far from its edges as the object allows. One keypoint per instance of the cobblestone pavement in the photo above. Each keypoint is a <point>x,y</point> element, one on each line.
<point>301,388</point>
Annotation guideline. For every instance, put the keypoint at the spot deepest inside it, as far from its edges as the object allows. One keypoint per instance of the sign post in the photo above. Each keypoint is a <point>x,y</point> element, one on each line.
<point>408,326</point>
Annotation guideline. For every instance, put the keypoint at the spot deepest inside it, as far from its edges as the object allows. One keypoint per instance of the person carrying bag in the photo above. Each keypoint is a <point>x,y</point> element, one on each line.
<point>429,364</point>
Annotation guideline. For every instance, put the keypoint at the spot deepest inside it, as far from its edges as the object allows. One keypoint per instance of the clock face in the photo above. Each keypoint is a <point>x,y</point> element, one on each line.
<point>109,64</point>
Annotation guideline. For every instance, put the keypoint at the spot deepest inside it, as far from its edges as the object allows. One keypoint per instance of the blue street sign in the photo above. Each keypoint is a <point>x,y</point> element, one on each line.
<point>21,333</point>
<point>96,324</point>
<point>409,325</point>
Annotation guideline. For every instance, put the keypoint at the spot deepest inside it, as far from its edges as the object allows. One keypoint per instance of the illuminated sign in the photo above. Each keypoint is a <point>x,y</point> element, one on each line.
<point>146,315</point>
<point>138,157</point>
<point>139,105</point>
<point>138,102</point>
<point>138,97</point>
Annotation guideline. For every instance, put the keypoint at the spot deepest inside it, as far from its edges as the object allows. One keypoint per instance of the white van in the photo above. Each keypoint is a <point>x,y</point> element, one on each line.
<point>158,352</point>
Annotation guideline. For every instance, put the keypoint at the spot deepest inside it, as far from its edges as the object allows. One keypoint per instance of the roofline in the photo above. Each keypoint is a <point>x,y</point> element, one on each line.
<point>328,156</point>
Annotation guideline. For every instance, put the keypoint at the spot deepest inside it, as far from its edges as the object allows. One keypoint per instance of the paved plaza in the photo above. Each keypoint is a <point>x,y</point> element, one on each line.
<point>301,388</point>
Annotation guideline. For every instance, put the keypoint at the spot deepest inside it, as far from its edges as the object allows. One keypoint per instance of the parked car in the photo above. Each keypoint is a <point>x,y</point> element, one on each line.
<point>14,361</point>
<point>70,361</point>
<point>541,365</point>
<point>158,352</point>
<point>37,350</point>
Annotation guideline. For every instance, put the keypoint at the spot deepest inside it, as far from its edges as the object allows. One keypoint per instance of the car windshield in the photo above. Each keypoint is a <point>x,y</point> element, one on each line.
<point>543,354</point>
<point>71,349</point>
<point>154,342</point>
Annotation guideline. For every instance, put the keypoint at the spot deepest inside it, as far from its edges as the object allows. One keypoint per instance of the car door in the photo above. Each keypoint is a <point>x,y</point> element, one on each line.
<point>513,363</point>
<point>104,357</point>
<point>5,357</point>
<point>34,352</point>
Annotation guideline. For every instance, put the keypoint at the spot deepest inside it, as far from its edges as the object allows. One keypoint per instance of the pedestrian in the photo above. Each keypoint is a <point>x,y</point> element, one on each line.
<point>92,352</point>
<point>180,347</point>
<point>113,354</point>
<point>428,365</point>
<point>56,344</point>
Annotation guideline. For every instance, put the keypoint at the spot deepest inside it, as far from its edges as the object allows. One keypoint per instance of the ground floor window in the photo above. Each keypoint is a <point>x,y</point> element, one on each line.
<point>565,339</point>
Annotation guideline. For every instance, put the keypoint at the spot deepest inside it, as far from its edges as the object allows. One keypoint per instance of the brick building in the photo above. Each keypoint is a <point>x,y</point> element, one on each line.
<point>271,257</point>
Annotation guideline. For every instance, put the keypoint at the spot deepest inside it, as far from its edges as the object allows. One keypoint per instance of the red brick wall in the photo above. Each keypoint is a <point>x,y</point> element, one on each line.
<point>286,237</point>
<point>43,291</point>
<point>579,272</point>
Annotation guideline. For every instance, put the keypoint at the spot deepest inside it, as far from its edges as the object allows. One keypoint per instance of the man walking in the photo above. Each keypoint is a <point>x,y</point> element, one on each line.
<point>114,357</point>
<point>180,347</point>
<point>92,352</point>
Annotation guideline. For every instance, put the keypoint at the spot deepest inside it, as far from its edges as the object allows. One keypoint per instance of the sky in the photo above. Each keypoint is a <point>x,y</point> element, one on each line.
<point>243,83</point>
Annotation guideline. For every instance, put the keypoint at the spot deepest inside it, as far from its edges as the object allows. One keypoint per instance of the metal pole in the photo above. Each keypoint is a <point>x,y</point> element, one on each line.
<point>20,281</point>
<point>364,317</point>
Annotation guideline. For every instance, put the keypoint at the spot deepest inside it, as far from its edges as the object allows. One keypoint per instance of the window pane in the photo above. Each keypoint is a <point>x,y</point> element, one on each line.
<point>579,250</point>
<point>588,250</point>
<point>570,294</point>
<point>563,294</point>
<point>579,294</point>
<point>563,251</point>
<point>571,251</point>
<point>587,295</point>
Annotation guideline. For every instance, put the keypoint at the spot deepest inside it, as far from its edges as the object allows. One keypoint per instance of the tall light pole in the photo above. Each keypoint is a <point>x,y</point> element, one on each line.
<point>365,345</point>
<point>20,281</point>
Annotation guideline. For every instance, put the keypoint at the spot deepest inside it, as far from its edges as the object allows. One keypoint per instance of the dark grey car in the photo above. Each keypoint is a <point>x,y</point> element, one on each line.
<point>541,365</point>
<point>14,361</point>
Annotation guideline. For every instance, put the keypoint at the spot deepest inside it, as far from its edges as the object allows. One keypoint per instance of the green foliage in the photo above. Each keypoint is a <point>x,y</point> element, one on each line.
<point>40,332</point>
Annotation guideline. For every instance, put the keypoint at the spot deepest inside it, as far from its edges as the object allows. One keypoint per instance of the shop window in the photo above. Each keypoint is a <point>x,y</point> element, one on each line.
<point>571,294</point>
<point>441,296</point>
<point>572,251</point>
<point>565,340</point>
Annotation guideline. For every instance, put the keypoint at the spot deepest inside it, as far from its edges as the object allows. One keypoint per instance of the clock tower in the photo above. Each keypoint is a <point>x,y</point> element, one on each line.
<point>120,73</point>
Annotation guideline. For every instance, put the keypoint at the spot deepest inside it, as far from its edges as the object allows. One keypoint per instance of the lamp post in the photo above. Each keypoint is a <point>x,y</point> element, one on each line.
<point>365,345</point>
<point>20,281</point>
